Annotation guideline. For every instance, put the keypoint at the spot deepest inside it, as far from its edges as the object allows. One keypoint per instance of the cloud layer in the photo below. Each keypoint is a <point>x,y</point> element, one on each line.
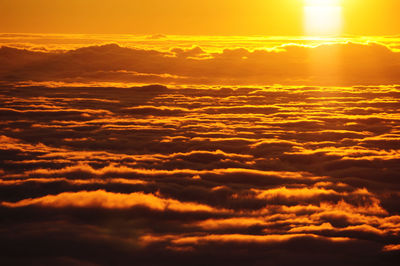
<point>158,175</point>
<point>340,63</point>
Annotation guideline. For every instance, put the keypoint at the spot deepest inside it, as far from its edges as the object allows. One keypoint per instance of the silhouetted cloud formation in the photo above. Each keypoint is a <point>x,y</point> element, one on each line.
<point>327,64</point>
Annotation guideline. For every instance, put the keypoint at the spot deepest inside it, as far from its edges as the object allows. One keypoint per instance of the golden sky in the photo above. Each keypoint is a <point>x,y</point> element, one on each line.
<point>207,17</point>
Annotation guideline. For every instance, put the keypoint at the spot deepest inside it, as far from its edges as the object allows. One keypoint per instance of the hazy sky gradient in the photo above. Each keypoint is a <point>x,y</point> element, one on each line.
<point>208,17</point>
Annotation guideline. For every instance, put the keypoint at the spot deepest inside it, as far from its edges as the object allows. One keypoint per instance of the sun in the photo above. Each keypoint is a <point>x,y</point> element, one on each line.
<point>322,2</point>
<point>323,17</point>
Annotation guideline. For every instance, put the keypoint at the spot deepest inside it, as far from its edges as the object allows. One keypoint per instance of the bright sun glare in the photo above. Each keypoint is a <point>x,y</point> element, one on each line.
<point>323,17</point>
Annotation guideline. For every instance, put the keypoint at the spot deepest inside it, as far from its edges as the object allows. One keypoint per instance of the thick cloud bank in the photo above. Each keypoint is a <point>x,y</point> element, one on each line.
<point>160,175</point>
<point>327,64</point>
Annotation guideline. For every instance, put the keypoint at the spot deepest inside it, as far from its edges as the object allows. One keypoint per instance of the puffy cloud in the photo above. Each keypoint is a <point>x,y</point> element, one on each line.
<point>103,199</point>
<point>266,239</point>
<point>391,248</point>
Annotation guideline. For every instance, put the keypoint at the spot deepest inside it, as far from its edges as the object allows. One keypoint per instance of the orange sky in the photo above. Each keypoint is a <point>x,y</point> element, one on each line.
<point>207,17</point>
